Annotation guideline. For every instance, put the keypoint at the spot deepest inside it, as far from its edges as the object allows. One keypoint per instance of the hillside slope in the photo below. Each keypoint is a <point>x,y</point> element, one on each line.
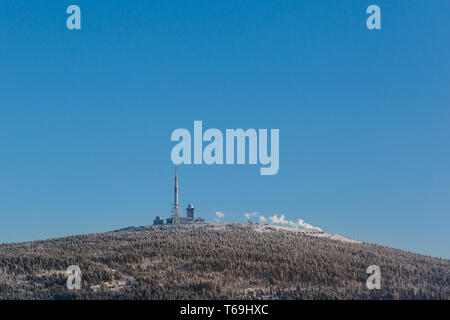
<point>216,261</point>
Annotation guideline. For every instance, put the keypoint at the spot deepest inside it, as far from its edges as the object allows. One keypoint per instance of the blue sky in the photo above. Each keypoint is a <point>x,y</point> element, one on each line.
<point>86,116</point>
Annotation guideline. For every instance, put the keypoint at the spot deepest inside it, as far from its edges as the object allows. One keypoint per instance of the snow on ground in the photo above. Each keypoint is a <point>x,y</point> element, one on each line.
<point>268,228</point>
<point>265,228</point>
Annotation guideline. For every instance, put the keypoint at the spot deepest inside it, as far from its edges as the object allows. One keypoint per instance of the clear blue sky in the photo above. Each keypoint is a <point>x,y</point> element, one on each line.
<point>364,116</point>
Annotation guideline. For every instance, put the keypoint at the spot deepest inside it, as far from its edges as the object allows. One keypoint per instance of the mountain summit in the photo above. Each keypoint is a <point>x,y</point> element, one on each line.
<point>217,261</point>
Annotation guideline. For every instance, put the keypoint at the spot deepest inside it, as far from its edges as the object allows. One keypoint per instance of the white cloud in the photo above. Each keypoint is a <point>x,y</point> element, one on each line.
<point>251,214</point>
<point>262,219</point>
<point>299,223</point>
<point>220,215</point>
